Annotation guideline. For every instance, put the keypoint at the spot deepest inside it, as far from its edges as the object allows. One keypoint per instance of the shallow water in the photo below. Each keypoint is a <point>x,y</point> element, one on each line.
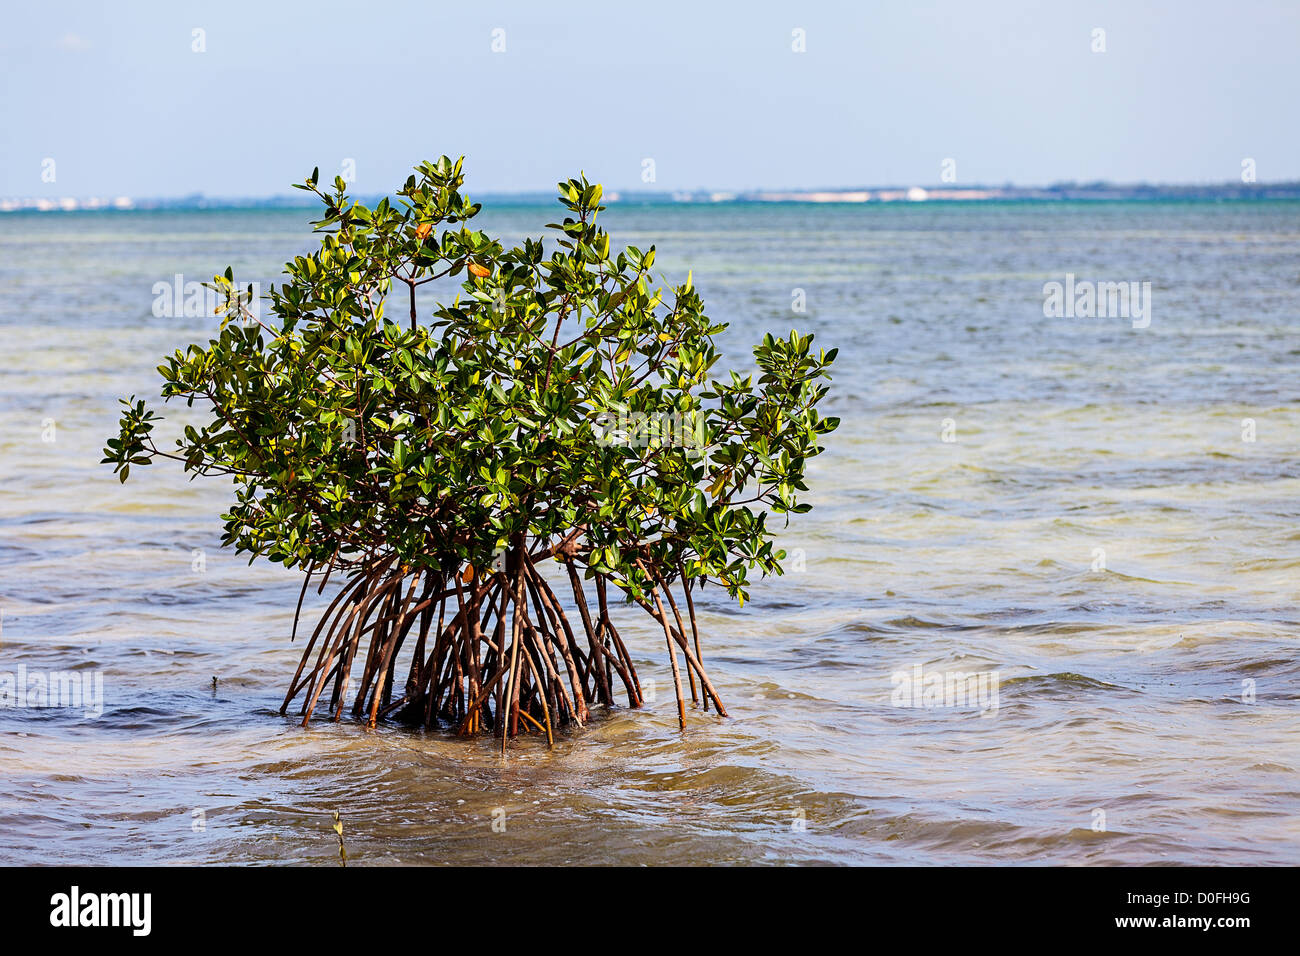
<point>1124,731</point>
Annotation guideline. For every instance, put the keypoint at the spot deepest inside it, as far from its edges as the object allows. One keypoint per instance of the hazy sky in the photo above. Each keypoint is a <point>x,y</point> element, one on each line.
<point>713,93</point>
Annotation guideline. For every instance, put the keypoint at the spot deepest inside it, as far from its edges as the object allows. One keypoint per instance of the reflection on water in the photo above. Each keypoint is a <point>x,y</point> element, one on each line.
<point>1098,534</point>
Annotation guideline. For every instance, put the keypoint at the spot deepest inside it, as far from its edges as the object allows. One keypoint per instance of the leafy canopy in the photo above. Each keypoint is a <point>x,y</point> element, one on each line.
<point>559,399</point>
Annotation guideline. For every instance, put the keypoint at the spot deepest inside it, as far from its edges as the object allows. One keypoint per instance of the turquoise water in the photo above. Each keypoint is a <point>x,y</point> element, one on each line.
<point>1099,534</point>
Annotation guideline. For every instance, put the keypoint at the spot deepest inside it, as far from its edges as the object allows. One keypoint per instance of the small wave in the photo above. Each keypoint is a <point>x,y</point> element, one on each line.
<point>1064,681</point>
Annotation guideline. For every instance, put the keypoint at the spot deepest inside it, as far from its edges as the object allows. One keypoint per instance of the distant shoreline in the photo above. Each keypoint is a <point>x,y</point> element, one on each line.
<point>907,195</point>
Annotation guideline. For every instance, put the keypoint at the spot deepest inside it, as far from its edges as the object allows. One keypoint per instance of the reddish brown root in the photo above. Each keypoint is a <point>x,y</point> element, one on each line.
<point>490,651</point>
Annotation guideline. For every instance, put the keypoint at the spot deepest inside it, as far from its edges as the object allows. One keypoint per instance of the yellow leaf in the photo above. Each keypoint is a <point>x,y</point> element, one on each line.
<point>477,270</point>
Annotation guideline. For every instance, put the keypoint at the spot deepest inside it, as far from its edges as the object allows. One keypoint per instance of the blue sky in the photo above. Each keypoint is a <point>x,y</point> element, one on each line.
<point>713,93</point>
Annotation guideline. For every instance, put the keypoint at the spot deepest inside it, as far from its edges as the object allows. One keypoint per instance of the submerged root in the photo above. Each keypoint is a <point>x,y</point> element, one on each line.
<point>489,651</point>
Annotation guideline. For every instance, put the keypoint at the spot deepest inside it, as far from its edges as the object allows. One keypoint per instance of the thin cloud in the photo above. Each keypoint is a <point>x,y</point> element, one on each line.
<point>73,43</point>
